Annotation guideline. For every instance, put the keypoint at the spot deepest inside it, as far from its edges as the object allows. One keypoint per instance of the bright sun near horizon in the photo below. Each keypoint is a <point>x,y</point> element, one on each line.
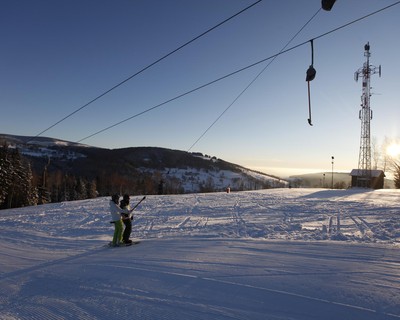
<point>393,150</point>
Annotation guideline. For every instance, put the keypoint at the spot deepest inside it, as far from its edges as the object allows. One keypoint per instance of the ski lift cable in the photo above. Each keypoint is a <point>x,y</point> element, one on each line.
<point>354,21</point>
<point>254,80</point>
<point>144,69</point>
<point>238,71</point>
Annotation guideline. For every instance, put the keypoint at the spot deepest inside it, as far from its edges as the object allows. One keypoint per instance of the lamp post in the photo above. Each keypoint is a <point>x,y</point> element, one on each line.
<point>333,158</point>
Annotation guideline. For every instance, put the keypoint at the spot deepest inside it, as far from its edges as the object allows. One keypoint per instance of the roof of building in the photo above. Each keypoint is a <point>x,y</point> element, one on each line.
<point>374,173</point>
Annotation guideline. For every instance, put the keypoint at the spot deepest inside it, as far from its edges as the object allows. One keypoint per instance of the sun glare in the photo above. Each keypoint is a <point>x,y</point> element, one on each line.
<point>393,150</point>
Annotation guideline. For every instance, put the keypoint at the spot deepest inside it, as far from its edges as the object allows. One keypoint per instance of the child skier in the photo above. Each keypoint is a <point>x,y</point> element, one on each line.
<point>126,219</point>
<point>116,212</point>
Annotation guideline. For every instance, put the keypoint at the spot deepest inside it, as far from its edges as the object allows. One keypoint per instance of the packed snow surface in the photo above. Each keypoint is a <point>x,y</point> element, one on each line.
<point>273,254</point>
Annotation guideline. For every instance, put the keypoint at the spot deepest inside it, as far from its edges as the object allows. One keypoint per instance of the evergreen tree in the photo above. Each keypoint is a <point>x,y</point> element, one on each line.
<point>71,189</point>
<point>29,194</point>
<point>56,184</point>
<point>80,189</point>
<point>5,178</point>
<point>17,188</point>
<point>12,163</point>
<point>43,191</point>
<point>91,189</point>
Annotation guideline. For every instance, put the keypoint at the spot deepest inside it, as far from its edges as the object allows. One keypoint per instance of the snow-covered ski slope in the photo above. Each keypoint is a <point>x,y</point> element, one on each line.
<point>271,254</point>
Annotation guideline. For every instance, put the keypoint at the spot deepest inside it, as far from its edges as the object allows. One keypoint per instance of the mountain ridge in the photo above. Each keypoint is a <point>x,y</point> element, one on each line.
<point>179,171</point>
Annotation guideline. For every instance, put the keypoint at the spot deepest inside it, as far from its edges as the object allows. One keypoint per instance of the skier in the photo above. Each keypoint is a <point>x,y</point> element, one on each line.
<point>116,212</point>
<point>126,219</point>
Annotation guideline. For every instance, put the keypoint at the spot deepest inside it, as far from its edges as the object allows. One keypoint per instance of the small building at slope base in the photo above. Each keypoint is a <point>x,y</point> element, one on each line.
<point>373,179</point>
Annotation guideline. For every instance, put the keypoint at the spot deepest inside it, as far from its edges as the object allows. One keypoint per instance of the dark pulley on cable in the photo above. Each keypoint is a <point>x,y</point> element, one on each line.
<point>327,4</point>
<point>311,72</point>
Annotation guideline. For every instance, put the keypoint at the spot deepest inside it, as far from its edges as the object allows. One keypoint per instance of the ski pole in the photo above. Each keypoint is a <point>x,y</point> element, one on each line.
<point>138,204</point>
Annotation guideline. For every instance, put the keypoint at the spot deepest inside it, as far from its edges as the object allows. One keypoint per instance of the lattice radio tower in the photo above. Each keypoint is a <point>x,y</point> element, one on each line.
<point>365,115</point>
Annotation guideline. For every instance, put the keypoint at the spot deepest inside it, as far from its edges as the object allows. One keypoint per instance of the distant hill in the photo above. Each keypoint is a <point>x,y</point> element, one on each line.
<point>143,170</point>
<point>341,180</point>
<point>322,179</point>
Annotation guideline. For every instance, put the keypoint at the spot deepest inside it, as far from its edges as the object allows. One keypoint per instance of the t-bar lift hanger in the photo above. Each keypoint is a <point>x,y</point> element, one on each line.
<point>310,75</point>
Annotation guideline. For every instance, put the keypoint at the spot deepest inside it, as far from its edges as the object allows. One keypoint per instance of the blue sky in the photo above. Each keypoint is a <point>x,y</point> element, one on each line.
<point>58,55</point>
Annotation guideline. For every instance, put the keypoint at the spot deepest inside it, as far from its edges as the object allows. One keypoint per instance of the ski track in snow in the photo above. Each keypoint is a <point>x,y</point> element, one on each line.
<point>271,254</point>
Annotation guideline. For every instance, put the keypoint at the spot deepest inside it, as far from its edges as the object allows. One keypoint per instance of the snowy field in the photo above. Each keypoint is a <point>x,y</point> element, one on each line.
<point>273,254</point>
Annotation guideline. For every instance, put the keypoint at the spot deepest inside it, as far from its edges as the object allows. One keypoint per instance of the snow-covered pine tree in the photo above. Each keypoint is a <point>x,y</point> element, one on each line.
<point>16,180</point>
<point>4,174</point>
<point>31,190</point>
<point>22,193</point>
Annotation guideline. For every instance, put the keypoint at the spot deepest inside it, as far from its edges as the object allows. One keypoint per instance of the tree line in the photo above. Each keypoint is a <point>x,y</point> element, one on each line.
<point>21,186</point>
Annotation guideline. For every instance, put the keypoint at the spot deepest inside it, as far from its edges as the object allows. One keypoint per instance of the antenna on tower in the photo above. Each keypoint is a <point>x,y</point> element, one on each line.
<point>365,115</point>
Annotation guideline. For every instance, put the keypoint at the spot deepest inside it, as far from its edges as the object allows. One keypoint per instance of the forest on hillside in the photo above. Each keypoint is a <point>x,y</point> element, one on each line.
<point>27,181</point>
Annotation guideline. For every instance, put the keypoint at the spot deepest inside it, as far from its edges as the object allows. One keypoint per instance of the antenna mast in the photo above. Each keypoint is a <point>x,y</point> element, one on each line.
<point>365,115</point>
